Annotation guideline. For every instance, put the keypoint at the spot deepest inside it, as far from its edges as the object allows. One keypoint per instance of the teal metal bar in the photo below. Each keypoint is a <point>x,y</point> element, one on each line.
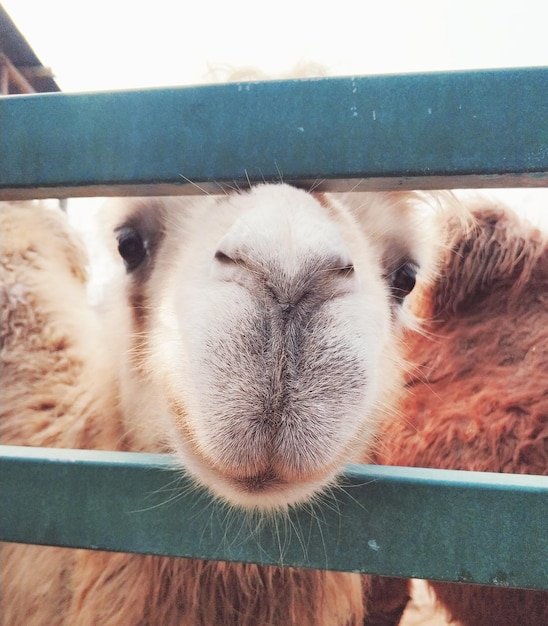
<point>444,525</point>
<point>461,129</point>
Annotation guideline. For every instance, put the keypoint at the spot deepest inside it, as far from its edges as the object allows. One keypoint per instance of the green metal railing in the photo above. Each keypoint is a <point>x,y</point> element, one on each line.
<point>412,131</point>
<point>415,131</point>
<point>445,525</point>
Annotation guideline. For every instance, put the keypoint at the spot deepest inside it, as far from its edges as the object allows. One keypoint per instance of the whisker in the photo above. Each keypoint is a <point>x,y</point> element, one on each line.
<point>222,188</point>
<point>280,175</point>
<point>316,184</point>
<point>247,178</point>
<point>204,191</point>
<point>358,183</point>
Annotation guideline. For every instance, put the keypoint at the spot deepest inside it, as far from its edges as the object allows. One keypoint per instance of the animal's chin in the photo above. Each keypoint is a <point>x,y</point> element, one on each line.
<point>259,483</point>
<point>265,491</point>
<point>256,493</point>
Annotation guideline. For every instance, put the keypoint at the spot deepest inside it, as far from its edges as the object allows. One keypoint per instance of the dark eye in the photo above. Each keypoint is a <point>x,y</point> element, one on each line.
<point>402,280</point>
<point>131,248</point>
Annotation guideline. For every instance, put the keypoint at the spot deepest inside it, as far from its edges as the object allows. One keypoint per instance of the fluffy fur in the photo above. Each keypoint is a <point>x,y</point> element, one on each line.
<point>478,399</point>
<point>270,317</point>
<point>56,380</point>
<point>264,335</point>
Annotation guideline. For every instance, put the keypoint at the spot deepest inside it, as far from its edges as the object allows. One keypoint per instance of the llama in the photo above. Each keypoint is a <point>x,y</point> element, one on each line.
<point>262,350</point>
<point>478,398</point>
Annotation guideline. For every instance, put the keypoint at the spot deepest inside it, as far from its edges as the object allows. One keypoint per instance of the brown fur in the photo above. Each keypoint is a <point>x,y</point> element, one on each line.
<point>55,397</point>
<point>478,399</point>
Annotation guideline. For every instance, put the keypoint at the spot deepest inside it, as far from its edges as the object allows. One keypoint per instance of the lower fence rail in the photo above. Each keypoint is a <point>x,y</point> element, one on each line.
<point>443,525</point>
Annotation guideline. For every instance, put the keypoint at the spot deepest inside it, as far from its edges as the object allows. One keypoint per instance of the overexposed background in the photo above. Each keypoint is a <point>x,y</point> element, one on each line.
<point>121,44</point>
<point>114,44</point>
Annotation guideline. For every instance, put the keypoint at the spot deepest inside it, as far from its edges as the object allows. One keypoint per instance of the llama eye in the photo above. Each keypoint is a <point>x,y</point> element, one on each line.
<point>402,280</point>
<point>131,248</point>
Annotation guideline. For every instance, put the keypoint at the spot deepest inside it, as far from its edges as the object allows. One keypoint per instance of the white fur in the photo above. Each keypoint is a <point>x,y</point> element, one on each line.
<point>267,373</point>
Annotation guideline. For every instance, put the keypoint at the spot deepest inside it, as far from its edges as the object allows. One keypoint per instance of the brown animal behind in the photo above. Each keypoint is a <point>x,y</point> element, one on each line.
<point>53,398</point>
<point>478,398</point>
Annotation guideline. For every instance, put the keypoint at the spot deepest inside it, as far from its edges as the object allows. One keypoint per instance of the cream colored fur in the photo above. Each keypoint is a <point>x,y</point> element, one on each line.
<point>257,341</point>
<point>262,410</point>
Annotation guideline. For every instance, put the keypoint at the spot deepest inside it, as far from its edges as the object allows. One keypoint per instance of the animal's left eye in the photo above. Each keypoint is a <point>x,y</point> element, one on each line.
<point>402,280</point>
<point>131,247</point>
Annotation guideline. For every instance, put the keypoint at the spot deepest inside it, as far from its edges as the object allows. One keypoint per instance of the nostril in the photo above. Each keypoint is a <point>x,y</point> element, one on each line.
<point>224,258</point>
<point>335,276</point>
<point>340,266</point>
<point>346,270</point>
<point>231,268</point>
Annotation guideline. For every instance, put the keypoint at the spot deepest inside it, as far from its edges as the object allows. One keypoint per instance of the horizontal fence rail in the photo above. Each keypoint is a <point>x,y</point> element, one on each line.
<point>434,130</point>
<point>438,524</point>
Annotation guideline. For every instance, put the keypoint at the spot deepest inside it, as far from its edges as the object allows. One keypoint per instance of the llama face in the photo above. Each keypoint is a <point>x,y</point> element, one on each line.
<point>264,330</point>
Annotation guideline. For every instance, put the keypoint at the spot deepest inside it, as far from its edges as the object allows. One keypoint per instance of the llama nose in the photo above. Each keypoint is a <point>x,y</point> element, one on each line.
<point>288,278</point>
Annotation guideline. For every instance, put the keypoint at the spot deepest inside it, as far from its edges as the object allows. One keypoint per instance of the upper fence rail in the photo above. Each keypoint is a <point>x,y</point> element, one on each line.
<point>436,130</point>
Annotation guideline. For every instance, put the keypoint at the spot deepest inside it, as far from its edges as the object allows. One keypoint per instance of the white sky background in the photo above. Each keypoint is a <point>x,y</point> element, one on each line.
<point>119,44</point>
